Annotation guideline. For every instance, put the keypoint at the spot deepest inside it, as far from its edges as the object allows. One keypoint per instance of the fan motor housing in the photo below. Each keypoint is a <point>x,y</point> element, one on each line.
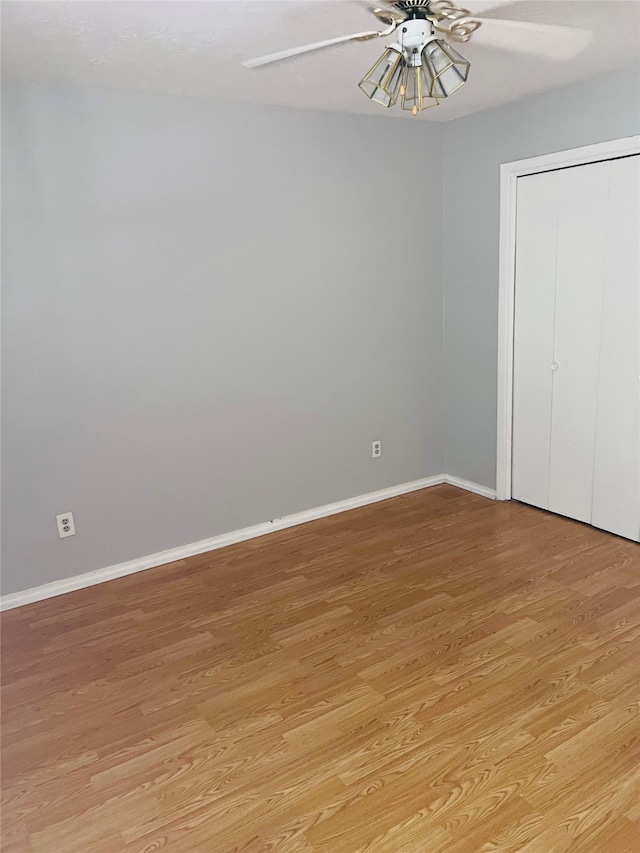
<point>406,9</point>
<point>447,18</point>
<point>412,5</point>
<point>432,9</point>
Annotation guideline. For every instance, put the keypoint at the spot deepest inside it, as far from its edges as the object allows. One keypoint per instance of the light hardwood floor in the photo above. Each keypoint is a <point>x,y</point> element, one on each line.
<point>437,673</point>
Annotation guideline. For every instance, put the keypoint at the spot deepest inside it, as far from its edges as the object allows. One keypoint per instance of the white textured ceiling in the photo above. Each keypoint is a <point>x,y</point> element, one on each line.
<point>195,47</point>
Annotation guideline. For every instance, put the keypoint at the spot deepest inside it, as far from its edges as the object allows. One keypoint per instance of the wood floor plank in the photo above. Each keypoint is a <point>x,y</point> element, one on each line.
<point>437,673</point>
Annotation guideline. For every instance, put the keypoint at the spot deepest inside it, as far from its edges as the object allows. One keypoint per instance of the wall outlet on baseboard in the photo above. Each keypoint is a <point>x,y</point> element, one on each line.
<point>66,527</point>
<point>376,449</point>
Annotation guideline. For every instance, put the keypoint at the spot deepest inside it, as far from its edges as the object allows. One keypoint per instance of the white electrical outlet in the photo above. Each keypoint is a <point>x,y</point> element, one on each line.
<point>66,527</point>
<point>376,449</point>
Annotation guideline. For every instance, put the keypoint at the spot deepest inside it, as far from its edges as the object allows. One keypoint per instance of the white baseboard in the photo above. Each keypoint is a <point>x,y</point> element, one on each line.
<point>468,486</point>
<point>50,590</point>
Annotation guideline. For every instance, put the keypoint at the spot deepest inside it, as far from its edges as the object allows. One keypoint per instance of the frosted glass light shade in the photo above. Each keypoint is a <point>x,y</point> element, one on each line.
<point>415,89</point>
<point>382,82</point>
<point>445,68</point>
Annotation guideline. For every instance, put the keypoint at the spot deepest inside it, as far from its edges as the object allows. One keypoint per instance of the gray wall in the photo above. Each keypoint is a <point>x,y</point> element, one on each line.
<point>203,322</point>
<point>605,108</point>
<point>206,322</point>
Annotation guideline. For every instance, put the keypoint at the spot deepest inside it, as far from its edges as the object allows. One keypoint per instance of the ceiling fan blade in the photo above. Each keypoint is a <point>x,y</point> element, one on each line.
<point>524,37</point>
<point>380,4</point>
<point>308,48</point>
<point>479,7</point>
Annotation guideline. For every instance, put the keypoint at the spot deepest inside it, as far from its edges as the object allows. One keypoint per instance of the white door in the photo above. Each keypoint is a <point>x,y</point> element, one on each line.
<point>576,406</point>
<point>616,479</point>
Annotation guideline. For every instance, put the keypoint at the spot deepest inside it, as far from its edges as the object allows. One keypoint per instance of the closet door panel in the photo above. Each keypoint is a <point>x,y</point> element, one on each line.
<point>536,235</point>
<point>616,479</point>
<point>582,219</point>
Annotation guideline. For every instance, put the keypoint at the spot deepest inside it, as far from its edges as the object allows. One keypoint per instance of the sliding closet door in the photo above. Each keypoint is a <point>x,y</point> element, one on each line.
<point>576,409</point>
<point>616,486</point>
<point>561,227</point>
<point>536,240</point>
<point>582,225</point>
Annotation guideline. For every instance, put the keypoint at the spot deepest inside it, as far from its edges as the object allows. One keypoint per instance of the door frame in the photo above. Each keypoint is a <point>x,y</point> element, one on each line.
<point>509,174</point>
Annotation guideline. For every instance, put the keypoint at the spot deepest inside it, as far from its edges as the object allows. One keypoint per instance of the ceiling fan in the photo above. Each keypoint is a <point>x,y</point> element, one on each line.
<point>421,67</point>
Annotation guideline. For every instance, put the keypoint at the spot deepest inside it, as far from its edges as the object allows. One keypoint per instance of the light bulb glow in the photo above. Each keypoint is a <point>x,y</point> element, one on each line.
<point>415,111</point>
<point>403,91</point>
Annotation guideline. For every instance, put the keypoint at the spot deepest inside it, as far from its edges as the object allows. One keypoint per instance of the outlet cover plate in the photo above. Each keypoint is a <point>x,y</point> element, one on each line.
<point>66,527</point>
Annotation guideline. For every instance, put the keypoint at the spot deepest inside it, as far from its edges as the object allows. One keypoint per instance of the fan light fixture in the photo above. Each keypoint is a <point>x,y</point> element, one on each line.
<point>421,69</point>
<point>382,82</point>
